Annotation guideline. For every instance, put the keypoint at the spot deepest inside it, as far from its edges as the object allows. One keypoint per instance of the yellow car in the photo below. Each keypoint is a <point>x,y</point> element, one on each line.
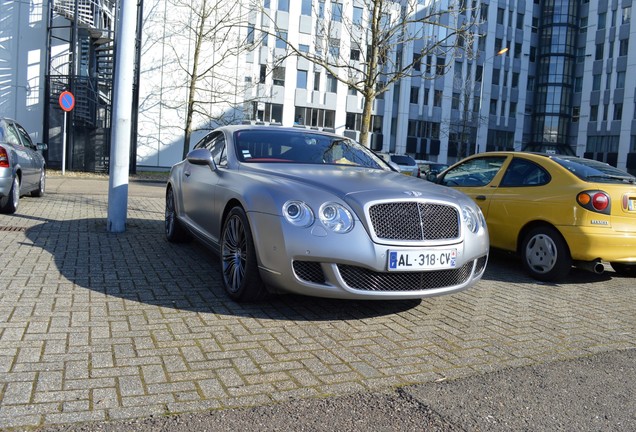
<point>554,211</point>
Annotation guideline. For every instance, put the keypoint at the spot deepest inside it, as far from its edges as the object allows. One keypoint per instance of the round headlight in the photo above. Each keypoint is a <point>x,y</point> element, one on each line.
<point>336,217</point>
<point>298,213</point>
<point>471,219</point>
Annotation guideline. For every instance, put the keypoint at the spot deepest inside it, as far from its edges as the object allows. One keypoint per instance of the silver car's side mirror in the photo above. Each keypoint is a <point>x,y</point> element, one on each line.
<point>201,157</point>
<point>41,146</point>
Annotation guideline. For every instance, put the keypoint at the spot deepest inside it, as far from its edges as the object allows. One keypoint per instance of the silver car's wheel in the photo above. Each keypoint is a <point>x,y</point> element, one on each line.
<point>545,254</point>
<point>39,192</point>
<point>241,277</point>
<point>10,203</point>
<point>175,232</point>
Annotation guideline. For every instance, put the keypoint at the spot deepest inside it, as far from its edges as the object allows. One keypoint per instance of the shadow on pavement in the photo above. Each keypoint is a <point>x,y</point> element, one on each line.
<point>141,265</point>
<point>506,267</point>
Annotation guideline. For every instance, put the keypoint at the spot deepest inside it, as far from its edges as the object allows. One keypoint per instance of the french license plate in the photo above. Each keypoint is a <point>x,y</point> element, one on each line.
<point>423,259</point>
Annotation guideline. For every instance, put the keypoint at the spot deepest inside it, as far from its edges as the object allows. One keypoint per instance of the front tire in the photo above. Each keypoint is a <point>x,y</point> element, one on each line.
<point>628,270</point>
<point>241,278</point>
<point>175,232</point>
<point>545,255</point>
<point>9,204</point>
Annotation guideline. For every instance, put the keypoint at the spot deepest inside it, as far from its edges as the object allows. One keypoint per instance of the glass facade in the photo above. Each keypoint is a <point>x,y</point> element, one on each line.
<point>556,58</point>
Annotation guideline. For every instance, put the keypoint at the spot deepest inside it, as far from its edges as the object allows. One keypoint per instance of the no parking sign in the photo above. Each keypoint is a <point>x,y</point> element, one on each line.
<point>67,101</point>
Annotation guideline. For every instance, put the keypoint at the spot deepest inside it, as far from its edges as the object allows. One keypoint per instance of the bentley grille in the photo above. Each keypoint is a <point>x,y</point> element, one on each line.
<point>412,220</point>
<point>366,280</point>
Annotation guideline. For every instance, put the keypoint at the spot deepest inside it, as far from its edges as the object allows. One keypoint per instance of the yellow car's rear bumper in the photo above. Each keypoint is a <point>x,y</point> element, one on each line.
<point>590,243</point>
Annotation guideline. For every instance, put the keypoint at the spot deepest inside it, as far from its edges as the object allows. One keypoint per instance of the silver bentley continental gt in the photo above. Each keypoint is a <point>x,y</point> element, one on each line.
<point>307,212</point>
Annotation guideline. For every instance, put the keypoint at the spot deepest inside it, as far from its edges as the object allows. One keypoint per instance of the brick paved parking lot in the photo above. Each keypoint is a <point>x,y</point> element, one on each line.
<point>101,326</point>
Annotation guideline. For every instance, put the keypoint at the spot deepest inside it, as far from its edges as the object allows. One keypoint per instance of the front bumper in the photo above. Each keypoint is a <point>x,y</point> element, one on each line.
<point>314,261</point>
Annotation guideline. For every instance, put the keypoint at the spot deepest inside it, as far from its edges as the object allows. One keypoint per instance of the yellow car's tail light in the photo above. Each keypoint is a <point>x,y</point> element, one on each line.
<point>594,200</point>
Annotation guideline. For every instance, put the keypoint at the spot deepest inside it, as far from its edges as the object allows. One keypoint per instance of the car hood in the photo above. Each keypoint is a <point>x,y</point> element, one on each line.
<point>354,185</point>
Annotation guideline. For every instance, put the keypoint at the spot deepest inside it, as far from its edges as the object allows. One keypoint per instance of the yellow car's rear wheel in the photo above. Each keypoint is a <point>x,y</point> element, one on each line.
<point>545,254</point>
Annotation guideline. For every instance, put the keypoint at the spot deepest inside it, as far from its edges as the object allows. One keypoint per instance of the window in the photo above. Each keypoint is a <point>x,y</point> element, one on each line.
<point>515,80</point>
<point>283,5</point>
<point>336,12</point>
<point>601,20</point>
<point>281,40</point>
<point>334,47</point>
<point>266,4</point>
<point>355,54</point>
<point>305,7</point>
<point>599,51</point>
<point>522,172</point>
<point>627,15</point>
<point>583,25</point>
<point>417,61</point>
<point>596,82</point>
<point>500,15</point>
<point>441,66</point>
<point>250,34</point>
<point>437,98</point>
<point>263,74</point>
<point>493,106</point>
<point>357,16</point>
<point>303,48</point>
<point>415,94</point>
<point>264,39</point>
<point>618,111</point>
<point>332,84</point>
<point>316,81</point>
<point>321,8</point>
<point>620,79</point>
<point>517,50</point>
<point>594,113</point>
<point>301,79</point>
<point>495,76</point>
<point>455,101</point>
<point>578,84</point>
<point>576,113</point>
<point>279,75</point>
<point>513,110</point>
<point>520,17</point>
<point>623,47</point>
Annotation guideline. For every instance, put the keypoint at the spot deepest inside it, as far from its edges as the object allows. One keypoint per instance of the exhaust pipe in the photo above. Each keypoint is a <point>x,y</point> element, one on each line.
<point>592,266</point>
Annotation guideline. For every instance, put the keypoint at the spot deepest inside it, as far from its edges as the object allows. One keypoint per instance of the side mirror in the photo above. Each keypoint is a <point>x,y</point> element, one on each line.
<point>201,157</point>
<point>41,146</point>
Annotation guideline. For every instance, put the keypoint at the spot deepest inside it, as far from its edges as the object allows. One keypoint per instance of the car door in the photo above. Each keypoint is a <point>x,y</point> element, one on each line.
<point>199,186</point>
<point>31,169</point>
<point>21,155</point>
<point>477,177</point>
<point>521,197</point>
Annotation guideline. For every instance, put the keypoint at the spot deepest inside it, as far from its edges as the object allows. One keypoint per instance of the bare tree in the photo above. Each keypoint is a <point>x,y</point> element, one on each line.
<point>384,41</point>
<point>464,121</point>
<point>201,44</point>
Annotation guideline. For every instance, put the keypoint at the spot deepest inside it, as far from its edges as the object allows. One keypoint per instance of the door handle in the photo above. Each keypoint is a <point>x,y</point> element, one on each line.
<point>481,197</point>
<point>186,173</point>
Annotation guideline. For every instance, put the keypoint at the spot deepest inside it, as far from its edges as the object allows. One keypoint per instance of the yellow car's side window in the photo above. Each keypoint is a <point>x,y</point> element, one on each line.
<point>522,172</point>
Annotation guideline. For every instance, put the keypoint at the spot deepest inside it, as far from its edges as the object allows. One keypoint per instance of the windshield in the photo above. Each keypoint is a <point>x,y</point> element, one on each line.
<point>403,160</point>
<point>593,171</point>
<point>283,146</point>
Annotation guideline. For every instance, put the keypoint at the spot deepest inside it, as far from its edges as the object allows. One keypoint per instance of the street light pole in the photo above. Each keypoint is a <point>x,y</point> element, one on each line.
<point>481,94</point>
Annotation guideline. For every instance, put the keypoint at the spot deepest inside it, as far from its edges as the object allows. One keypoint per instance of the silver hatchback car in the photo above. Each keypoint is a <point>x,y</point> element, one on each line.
<point>22,166</point>
<point>307,212</point>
